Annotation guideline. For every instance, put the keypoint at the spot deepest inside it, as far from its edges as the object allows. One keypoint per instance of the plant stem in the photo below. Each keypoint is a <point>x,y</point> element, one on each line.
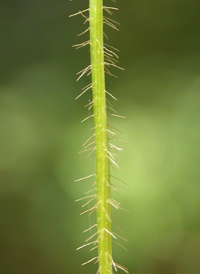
<point>101,137</point>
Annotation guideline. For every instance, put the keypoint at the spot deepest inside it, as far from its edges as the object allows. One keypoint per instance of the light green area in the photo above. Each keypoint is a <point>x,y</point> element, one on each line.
<point>101,137</point>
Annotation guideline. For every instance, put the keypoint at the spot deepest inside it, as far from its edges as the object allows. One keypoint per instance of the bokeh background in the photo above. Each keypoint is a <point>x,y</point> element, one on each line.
<point>41,135</point>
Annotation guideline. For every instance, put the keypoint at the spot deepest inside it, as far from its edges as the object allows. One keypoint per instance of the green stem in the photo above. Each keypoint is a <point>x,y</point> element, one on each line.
<point>101,137</point>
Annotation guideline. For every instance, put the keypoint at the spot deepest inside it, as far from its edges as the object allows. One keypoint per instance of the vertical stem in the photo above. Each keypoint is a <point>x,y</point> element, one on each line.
<point>101,137</point>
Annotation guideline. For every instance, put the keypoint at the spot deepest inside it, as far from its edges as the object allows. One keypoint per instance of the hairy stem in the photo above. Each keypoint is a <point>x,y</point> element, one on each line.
<point>101,137</point>
<point>102,58</point>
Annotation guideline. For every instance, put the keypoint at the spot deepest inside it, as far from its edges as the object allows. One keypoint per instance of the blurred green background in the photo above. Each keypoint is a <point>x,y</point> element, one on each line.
<point>41,135</point>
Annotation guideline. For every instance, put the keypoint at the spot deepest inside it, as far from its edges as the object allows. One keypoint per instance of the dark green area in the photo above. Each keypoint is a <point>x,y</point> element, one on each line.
<point>41,135</point>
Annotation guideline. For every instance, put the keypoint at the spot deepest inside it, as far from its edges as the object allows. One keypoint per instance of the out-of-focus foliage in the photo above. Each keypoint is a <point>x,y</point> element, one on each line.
<point>41,134</point>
